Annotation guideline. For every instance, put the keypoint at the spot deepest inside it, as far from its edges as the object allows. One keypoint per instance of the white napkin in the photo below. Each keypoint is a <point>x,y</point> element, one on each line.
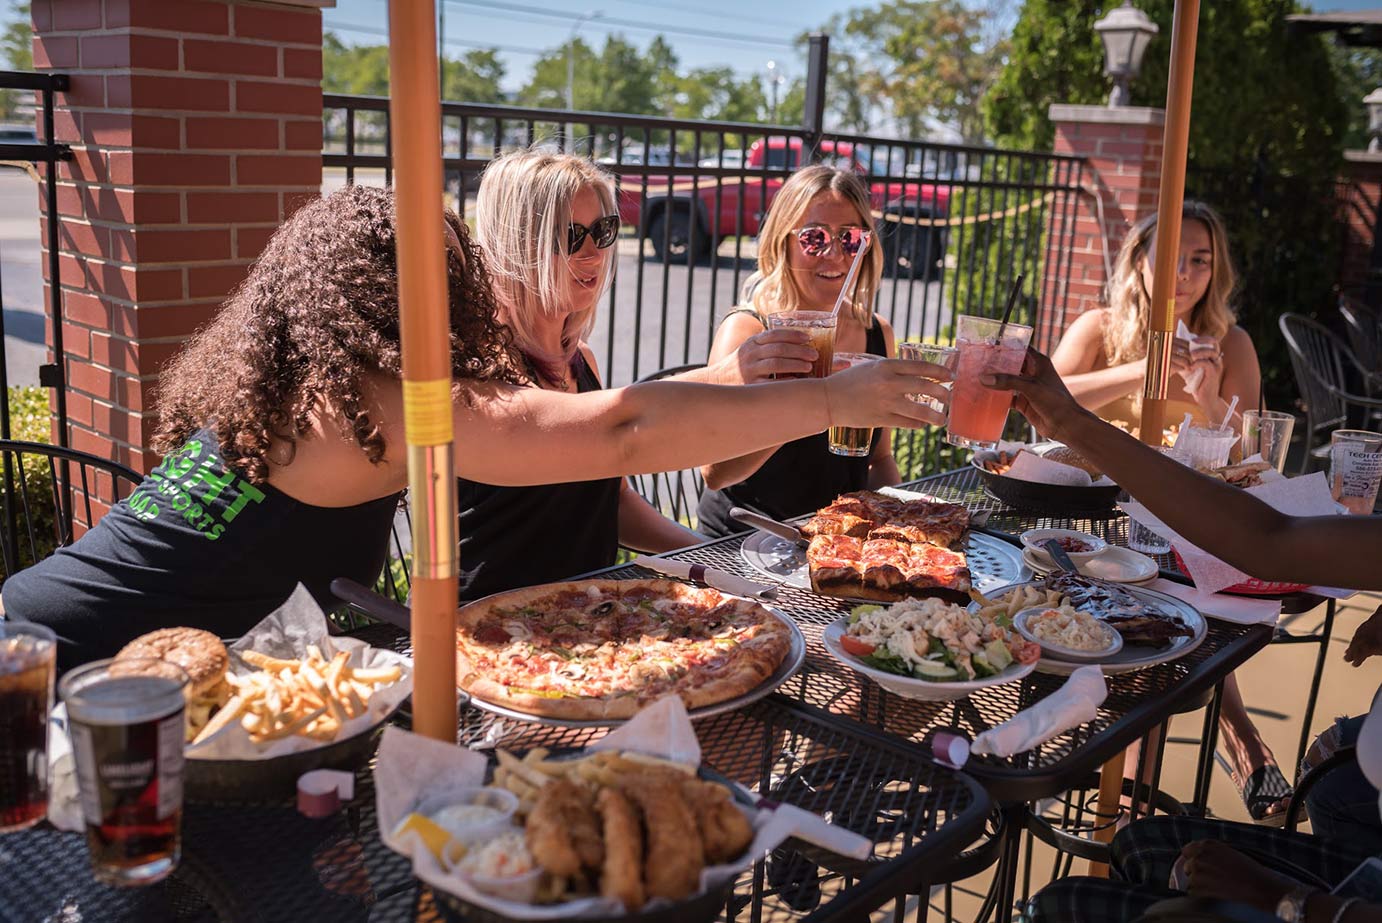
<point>721,580</point>
<point>1240,609</point>
<point>1192,381</point>
<point>64,799</point>
<point>1074,703</point>
<point>411,768</point>
<point>1028,466</point>
<point>1369,746</point>
<point>286,632</point>
<point>1303,496</point>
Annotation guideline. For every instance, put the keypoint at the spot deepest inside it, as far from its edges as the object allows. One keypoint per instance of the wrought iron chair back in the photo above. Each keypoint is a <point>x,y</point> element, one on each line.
<point>1325,369</point>
<point>1364,332</point>
<point>675,494</point>
<point>45,490</point>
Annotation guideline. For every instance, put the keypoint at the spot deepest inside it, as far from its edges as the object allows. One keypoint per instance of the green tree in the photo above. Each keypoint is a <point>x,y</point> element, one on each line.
<point>617,79</point>
<point>16,44</point>
<point>1359,72</point>
<point>475,77</point>
<point>921,61</point>
<point>1249,102</point>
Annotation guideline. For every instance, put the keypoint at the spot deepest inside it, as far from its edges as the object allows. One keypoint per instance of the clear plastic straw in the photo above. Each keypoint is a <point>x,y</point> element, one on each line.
<point>1232,406</point>
<point>1184,425</point>
<point>846,291</point>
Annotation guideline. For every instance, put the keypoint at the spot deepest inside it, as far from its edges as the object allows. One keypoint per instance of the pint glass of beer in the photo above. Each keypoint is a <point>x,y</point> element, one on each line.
<point>851,441</point>
<point>27,653</point>
<point>127,720</point>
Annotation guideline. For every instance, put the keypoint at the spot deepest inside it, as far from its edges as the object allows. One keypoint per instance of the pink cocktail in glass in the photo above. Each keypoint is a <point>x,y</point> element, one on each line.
<point>978,414</point>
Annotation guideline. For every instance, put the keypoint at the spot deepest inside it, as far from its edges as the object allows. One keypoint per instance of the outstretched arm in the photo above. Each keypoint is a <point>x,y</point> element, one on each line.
<point>1230,523</point>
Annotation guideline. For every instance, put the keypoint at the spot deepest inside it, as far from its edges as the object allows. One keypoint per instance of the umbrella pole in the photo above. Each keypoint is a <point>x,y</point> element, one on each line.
<point>1161,323</point>
<point>415,141</point>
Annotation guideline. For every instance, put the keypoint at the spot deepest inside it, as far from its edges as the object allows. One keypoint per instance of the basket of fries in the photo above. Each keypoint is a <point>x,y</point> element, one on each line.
<point>300,700</point>
<point>602,833</point>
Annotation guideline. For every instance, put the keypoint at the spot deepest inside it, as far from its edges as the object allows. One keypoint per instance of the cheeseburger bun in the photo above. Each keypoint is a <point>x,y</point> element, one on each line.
<point>1068,456</point>
<point>202,657</point>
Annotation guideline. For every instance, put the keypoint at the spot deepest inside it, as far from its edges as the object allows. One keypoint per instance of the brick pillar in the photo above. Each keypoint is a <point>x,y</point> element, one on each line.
<point>1122,151</point>
<point>1360,203</point>
<point>196,130</point>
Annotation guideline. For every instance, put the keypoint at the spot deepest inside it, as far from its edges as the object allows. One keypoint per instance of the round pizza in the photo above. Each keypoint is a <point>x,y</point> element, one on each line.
<point>591,650</point>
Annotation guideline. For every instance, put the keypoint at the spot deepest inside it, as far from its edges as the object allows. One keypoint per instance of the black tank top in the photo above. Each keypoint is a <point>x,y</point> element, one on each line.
<point>800,477</point>
<point>195,545</point>
<point>519,536</point>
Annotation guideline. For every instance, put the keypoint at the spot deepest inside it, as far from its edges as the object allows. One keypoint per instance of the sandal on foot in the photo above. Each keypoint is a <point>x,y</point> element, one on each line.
<point>1266,787</point>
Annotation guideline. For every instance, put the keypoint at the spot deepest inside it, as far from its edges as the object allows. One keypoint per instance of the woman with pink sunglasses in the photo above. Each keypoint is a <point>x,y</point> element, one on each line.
<point>819,220</point>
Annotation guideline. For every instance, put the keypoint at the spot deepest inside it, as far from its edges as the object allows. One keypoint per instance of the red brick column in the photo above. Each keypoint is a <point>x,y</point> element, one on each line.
<point>1122,151</point>
<point>196,129</point>
<point>1360,200</point>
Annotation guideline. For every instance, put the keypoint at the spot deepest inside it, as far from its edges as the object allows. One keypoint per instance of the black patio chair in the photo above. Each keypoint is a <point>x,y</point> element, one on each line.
<point>1326,372</point>
<point>1364,327</point>
<point>46,491</point>
<point>1340,757</point>
<point>675,494</point>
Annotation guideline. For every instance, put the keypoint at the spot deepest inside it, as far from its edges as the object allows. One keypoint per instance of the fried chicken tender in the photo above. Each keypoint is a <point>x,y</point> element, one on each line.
<point>563,831</point>
<point>725,831</point>
<point>622,875</point>
<point>675,854</point>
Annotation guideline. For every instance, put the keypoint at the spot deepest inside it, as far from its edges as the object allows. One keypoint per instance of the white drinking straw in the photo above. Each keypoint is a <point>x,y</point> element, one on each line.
<point>848,288</point>
<point>1232,406</point>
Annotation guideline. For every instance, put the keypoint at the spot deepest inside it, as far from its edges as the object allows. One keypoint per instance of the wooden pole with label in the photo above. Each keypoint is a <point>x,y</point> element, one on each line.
<point>415,141</point>
<point>1162,322</point>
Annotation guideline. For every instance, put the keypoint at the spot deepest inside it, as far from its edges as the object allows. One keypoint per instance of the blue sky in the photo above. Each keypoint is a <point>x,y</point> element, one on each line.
<point>747,35</point>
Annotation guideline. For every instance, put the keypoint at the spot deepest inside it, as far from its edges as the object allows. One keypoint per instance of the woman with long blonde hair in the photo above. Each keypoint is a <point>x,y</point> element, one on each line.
<point>817,223</point>
<point>1102,357</point>
<point>1102,361</point>
<point>549,224</point>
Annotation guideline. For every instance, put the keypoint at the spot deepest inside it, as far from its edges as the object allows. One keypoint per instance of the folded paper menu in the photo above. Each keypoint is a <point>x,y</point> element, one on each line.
<point>1075,703</point>
<point>1302,496</point>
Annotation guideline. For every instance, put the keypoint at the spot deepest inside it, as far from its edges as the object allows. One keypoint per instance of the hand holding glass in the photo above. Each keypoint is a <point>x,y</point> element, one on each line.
<point>936,354</point>
<point>978,414</point>
<point>820,327</point>
<point>851,441</point>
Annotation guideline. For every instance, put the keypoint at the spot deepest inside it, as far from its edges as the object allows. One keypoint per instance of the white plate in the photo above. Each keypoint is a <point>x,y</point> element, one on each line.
<point>908,687</point>
<point>1115,564</point>
<point>992,561</point>
<point>1112,645</point>
<point>1134,657</point>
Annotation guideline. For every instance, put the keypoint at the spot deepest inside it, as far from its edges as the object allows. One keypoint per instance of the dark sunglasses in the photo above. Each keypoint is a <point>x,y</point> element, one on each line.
<point>604,231</point>
<point>816,239</point>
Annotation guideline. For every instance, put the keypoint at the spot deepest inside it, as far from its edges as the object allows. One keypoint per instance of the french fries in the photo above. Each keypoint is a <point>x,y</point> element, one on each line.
<point>311,696</point>
<point>1023,597</point>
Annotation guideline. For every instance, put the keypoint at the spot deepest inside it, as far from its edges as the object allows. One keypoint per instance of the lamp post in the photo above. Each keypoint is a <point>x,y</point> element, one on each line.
<point>775,80</point>
<point>1374,103</point>
<point>571,56</point>
<point>1126,32</point>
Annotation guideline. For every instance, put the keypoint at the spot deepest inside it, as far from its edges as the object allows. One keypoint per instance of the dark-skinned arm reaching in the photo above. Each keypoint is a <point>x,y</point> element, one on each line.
<point>1222,519</point>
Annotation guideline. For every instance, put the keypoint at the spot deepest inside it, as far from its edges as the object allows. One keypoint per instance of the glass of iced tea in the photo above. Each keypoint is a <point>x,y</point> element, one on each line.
<point>853,441</point>
<point>820,327</point>
<point>27,656</point>
<point>978,414</point>
<point>128,723</point>
<point>1355,468</point>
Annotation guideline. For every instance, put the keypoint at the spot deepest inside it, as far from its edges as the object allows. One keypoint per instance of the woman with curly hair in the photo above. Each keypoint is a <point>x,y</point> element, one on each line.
<point>283,420</point>
<point>816,224</point>
<point>1103,358</point>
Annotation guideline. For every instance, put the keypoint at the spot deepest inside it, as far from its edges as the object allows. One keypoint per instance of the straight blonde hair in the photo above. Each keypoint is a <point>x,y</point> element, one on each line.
<point>1125,327</point>
<point>772,287</point>
<point>522,214</point>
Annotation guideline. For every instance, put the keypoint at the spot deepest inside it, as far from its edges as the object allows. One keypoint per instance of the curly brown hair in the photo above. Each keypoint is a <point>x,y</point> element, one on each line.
<point>318,312</point>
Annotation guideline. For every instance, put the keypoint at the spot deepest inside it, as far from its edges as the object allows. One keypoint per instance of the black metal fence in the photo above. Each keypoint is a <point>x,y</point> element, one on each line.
<point>957,224</point>
<point>29,153</point>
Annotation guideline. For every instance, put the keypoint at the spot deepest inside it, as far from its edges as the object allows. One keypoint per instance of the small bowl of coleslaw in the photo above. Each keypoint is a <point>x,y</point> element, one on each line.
<point>1065,633</point>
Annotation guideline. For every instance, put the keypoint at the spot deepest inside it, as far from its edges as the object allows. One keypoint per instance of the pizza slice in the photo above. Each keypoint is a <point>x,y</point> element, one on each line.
<point>921,521</point>
<point>834,564</point>
<point>936,571</point>
<point>885,566</point>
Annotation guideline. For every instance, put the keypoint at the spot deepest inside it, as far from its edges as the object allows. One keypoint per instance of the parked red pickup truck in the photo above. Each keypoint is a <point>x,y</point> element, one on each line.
<point>685,218</point>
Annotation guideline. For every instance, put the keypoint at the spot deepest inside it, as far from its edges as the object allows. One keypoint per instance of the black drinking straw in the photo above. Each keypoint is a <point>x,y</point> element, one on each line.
<point>1008,308</point>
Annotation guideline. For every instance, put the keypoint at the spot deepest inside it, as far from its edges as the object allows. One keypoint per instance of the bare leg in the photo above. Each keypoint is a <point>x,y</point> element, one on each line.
<point>1246,749</point>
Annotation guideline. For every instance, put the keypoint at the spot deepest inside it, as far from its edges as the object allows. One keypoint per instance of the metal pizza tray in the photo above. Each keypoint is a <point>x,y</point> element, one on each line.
<point>1132,657</point>
<point>992,561</point>
<point>796,655</point>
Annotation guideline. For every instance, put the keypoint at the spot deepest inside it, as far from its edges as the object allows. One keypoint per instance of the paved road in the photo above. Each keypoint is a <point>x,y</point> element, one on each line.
<point>21,277</point>
<point>632,326</point>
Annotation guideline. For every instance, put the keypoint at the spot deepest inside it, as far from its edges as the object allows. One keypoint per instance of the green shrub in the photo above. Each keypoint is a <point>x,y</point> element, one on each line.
<point>31,421</point>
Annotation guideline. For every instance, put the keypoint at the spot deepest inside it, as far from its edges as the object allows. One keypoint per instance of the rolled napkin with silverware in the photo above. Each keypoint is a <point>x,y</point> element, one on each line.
<point>721,580</point>
<point>1073,704</point>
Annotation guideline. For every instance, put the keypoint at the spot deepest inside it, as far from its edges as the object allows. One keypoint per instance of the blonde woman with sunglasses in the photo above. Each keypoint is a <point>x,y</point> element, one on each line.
<point>816,224</point>
<point>548,224</point>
